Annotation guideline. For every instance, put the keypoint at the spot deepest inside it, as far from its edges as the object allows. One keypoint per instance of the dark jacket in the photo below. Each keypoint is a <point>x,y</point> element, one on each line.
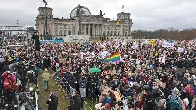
<point>83,82</point>
<point>52,105</point>
<point>75,103</point>
<point>72,81</point>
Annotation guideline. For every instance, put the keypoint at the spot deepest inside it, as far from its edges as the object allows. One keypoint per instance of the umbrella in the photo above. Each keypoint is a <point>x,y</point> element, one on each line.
<point>157,80</point>
<point>93,70</point>
<point>146,87</point>
<point>136,86</point>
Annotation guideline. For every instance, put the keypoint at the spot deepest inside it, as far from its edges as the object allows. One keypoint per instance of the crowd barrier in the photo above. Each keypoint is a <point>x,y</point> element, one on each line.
<point>36,101</point>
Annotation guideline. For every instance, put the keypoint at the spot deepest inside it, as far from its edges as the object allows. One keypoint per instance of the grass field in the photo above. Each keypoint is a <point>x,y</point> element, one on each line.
<point>62,101</point>
<point>53,87</point>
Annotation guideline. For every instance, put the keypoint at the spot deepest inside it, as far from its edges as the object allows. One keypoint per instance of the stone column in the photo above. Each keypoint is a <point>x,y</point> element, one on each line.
<point>43,29</point>
<point>130,30</point>
<point>89,29</point>
<point>100,32</point>
<point>122,30</point>
<point>52,28</point>
<point>84,29</point>
<point>101,29</point>
<point>96,30</point>
<point>93,29</point>
<point>81,29</point>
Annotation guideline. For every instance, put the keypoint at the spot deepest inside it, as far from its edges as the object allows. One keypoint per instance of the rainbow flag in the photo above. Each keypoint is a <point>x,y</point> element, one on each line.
<point>113,58</point>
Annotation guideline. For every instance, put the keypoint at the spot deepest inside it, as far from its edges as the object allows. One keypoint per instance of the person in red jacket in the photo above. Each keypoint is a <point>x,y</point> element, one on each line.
<point>189,89</point>
<point>10,86</point>
<point>9,81</point>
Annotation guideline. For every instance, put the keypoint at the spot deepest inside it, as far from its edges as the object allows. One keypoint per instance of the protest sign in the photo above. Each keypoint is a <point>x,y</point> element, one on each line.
<point>167,44</point>
<point>2,53</point>
<point>162,59</point>
<point>62,60</point>
<point>180,49</point>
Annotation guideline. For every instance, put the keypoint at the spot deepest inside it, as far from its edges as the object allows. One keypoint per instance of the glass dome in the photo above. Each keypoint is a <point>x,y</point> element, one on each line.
<point>83,11</point>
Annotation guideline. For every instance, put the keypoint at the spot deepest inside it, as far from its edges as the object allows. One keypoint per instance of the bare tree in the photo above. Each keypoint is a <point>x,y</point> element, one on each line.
<point>170,33</point>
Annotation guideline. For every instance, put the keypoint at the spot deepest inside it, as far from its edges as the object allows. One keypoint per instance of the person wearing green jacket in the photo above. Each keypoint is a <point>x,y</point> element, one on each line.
<point>46,77</point>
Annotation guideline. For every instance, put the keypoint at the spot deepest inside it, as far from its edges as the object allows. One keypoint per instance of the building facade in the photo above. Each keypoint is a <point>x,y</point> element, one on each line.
<point>95,26</point>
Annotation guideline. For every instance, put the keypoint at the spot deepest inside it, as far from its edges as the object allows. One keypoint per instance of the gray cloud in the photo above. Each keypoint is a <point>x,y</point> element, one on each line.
<point>146,14</point>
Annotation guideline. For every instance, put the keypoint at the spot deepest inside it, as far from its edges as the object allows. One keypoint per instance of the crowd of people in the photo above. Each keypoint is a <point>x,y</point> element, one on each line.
<point>151,75</point>
<point>17,79</point>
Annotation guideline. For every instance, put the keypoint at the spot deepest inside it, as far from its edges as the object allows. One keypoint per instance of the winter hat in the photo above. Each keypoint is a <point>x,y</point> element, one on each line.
<point>9,72</point>
<point>107,105</point>
<point>107,77</point>
<point>52,94</point>
<point>186,101</point>
<point>46,70</point>
<point>194,77</point>
<point>175,91</point>
<point>98,106</point>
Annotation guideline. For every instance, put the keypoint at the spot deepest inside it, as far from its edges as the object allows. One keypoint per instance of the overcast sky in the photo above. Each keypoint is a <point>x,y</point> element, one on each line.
<point>146,14</point>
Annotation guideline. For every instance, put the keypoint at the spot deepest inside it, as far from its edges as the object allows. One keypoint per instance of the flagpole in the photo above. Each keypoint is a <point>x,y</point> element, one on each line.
<point>45,21</point>
<point>45,27</point>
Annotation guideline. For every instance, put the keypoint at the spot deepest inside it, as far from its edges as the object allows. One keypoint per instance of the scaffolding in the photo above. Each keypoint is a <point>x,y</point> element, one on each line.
<point>8,30</point>
<point>17,28</point>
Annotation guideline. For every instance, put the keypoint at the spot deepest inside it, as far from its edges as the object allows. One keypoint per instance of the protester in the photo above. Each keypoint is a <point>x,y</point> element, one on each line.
<point>52,101</point>
<point>75,102</point>
<point>132,74</point>
<point>82,87</point>
<point>10,87</point>
<point>46,77</point>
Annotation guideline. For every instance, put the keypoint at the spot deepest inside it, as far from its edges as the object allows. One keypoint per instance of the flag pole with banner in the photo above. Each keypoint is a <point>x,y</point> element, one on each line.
<point>123,7</point>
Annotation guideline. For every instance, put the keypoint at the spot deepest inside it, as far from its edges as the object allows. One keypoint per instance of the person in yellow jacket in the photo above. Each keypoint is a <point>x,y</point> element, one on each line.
<point>46,77</point>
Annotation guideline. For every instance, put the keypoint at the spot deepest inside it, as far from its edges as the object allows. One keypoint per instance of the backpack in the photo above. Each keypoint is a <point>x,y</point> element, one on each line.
<point>55,100</point>
<point>174,103</point>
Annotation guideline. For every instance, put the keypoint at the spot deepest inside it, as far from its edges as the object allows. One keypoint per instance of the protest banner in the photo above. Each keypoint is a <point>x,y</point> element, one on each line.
<point>167,44</point>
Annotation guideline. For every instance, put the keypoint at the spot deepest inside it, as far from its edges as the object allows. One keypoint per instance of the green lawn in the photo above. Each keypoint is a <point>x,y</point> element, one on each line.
<point>53,87</point>
<point>90,104</point>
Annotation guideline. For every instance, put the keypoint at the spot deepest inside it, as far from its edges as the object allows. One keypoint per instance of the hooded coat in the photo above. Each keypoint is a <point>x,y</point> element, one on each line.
<point>75,103</point>
<point>53,103</point>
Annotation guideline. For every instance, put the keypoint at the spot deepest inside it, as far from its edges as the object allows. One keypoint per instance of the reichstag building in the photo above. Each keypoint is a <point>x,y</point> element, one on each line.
<point>95,26</point>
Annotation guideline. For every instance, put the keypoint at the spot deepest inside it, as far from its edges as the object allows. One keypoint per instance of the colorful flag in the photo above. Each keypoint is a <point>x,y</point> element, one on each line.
<point>156,53</point>
<point>113,58</point>
<point>117,22</point>
<point>10,59</point>
<point>123,7</point>
<point>152,42</point>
